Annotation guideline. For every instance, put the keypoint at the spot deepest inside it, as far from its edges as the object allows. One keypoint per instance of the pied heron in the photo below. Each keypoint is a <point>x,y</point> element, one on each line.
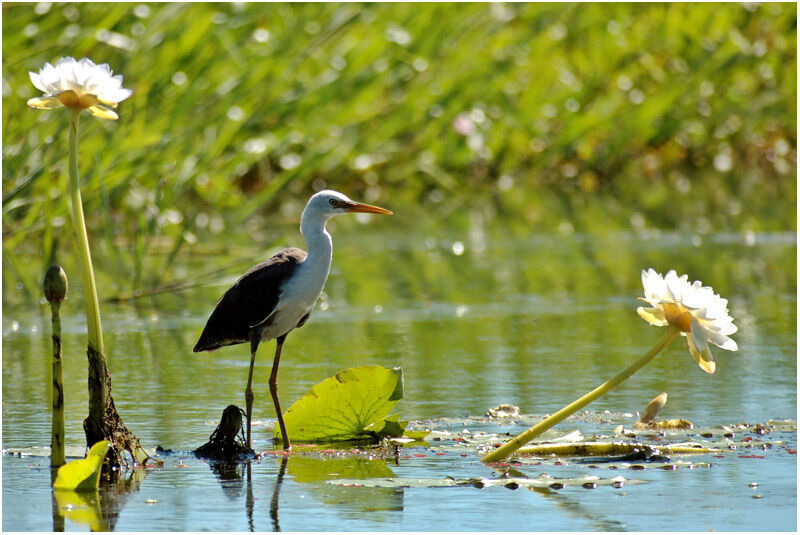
<point>277,295</point>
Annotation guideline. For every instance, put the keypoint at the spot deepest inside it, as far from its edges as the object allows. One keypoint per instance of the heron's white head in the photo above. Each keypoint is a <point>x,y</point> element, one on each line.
<point>328,203</point>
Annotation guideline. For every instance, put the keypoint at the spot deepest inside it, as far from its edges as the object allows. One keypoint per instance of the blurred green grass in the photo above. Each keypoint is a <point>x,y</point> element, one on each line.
<point>543,117</point>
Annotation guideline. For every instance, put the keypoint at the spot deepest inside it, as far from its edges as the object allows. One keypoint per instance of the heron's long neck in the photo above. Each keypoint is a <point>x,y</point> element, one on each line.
<point>318,241</point>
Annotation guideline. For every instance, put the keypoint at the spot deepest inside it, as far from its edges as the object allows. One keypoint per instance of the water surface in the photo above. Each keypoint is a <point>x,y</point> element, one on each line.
<point>475,320</point>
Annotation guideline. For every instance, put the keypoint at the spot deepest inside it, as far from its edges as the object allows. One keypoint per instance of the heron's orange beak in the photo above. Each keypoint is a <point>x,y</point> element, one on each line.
<point>366,208</point>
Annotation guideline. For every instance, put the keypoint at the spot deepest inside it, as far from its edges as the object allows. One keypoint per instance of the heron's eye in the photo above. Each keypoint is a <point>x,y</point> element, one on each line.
<point>333,202</point>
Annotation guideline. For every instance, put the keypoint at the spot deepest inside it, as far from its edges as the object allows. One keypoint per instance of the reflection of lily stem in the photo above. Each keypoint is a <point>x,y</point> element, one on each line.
<point>520,440</point>
<point>96,350</point>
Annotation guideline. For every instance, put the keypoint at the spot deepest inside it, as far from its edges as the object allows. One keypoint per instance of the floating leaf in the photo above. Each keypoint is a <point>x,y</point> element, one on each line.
<point>416,434</point>
<point>83,474</point>
<point>352,405</point>
<point>392,426</point>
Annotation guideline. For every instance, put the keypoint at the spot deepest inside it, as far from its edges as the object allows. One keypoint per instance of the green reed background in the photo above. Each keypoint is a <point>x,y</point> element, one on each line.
<point>544,117</point>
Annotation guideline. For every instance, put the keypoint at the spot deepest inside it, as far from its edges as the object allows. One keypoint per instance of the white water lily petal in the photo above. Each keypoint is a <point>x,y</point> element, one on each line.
<point>726,326</point>
<point>48,103</point>
<point>49,78</point>
<point>695,296</point>
<point>92,84</point>
<point>723,326</point>
<point>698,334</point>
<point>722,341</point>
<point>104,113</point>
<point>36,80</point>
<point>718,310</point>
<point>113,98</point>
<point>675,285</point>
<point>653,316</point>
<point>703,358</point>
<point>653,284</point>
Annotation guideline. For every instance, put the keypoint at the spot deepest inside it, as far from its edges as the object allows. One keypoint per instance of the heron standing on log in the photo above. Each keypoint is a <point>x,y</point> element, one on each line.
<point>277,295</point>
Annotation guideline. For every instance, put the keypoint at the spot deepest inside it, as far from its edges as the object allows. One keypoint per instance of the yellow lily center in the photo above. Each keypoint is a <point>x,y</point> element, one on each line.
<point>73,99</point>
<point>69,99</point>
<point>677,315</point>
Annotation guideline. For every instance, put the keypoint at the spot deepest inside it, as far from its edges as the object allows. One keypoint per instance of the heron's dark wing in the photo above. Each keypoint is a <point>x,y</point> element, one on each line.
<point>250,301</point>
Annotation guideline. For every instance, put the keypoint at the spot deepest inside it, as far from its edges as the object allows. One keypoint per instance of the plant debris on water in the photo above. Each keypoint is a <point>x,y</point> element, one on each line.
<point>227,441</point>
<point>572,458</point>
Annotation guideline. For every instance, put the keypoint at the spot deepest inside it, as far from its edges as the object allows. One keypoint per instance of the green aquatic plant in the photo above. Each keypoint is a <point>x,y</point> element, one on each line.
<point>453,120</point>
<point>83,474</point>
<point>79,85</point>
<point>353,405</point>
<point>691,310</point>
<point>55,291</point>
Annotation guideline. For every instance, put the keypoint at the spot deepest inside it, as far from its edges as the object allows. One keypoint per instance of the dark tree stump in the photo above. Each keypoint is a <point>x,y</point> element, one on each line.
<point>226,443</point>
<point>104,422</point>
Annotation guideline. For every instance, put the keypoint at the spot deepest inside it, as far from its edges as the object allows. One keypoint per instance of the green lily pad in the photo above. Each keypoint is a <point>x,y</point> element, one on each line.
<point>391,426</point>
<point>83,474</point>
<point>353,405</point>
<point>416,434</point>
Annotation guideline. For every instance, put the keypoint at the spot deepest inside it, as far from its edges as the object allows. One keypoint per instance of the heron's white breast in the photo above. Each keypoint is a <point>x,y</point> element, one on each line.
<point>298,296</point>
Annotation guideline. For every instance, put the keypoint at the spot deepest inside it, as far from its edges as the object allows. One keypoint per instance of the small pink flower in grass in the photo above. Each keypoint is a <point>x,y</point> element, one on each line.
<point>701,315</point>
<point>463,125</point>
<point>79,85</point>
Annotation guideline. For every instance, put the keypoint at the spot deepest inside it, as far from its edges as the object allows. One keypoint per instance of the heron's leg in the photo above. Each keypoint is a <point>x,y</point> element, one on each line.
<point>255,338</point>
<point>273,389</point>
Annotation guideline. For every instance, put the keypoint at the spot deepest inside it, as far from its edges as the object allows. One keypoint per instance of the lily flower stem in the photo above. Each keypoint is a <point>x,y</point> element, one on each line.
<point>523,438</point>
<point>96,351</point>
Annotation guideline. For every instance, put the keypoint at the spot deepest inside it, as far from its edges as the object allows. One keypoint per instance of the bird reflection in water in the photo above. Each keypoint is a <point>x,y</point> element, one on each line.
<point>273,506</point>
<point>237,476</point>
<point>232,462</point>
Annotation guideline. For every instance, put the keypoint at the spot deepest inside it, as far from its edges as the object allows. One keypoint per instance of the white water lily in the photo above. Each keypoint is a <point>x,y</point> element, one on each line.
<point>79,84</point>
<point>692,310</point>
<point>701,315</point>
